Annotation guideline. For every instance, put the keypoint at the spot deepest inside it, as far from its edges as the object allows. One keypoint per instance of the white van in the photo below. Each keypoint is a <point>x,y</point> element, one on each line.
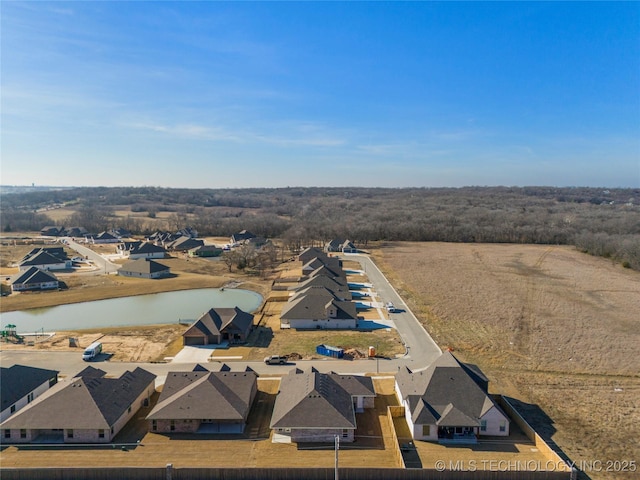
<point>92,351</point>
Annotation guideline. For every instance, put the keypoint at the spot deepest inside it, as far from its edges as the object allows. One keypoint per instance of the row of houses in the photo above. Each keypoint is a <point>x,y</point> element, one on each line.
<point>447,403</point>
<point>321,299</point>
<point>45,258</point>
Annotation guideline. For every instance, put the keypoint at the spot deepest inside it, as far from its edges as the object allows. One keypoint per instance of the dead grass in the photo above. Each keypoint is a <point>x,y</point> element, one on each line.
<point>550,326</point>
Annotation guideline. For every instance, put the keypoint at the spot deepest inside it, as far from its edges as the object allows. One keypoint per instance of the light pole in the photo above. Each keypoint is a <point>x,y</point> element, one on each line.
<point>337,444</point>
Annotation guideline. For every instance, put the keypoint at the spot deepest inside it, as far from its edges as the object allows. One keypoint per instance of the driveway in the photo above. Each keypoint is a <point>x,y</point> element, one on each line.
<point>194,354</point>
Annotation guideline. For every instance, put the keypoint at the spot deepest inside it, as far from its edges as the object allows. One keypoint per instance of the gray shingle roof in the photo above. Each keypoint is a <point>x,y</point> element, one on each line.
<point>41,258</point>
<point>316,307</point>
<point>445,390</point>
<point>20,380</point>
<point>31,276</point>
<point>206,395</point>
<point>312,400</point>
<point>340,288</point>
<point>143,265</point>
<point>91,402</point>
<point>147,247</point>
<point>216,320</point>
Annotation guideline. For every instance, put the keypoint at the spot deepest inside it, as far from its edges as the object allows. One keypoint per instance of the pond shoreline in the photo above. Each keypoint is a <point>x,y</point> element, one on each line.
<point>157,308</point>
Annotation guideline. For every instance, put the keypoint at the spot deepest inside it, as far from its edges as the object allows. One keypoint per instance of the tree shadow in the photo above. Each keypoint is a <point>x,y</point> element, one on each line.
<point>261,337</point>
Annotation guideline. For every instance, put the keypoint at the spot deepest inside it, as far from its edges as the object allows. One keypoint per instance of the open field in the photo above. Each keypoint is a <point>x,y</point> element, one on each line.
<point>556,329</point>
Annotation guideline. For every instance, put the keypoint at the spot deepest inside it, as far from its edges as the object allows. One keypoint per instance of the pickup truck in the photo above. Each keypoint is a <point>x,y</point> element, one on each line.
<point>275,360</point>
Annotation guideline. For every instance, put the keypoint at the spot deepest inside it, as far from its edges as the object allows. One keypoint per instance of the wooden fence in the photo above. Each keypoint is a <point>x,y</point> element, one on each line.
<point>142,473</point>
<point>540,443</point>
<point>392,412</point>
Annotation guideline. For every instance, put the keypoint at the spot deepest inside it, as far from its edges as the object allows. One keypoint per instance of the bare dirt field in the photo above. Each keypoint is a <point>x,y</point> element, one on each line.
<point>554,328</point>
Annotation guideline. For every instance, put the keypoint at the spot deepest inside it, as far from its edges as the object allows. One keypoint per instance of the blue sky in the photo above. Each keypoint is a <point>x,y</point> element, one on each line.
<point>272,94</point>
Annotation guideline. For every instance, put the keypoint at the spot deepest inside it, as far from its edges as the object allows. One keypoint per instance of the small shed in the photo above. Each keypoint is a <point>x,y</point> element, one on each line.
<point>330,351</point>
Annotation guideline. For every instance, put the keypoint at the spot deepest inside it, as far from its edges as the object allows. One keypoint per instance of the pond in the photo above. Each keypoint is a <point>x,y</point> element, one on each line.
<point>156,308</point>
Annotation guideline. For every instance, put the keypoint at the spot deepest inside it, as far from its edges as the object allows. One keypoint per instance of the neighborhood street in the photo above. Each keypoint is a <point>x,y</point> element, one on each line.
<point>102,263</point>
<point>421,350</point>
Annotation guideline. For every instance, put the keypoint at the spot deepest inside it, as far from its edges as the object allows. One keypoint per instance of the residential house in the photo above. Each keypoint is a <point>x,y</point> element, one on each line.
<point>219,325</point>
<point>20,385</point>
<point>125,248</point>
<point>448,402</point>
<point>147,250</point>
<point>183,244</point>
<point>205,251</point>
<point>334,285</point>
<point>310,253</point>
<point>317,407</point>
<point>313,311</point>
<point>33,279</point>
<point>241,237</point>
<point>75,232</point>
<point>332,272</point>
<point>102,238</point>
<point>51,231</point>
<point>188,232</point>
<point>341,245</point>
<point>202,401</point>
<point>333,263</point>
<point>144,268</point>
<point>88,408</point>
<point>46,259</point>
<point>120,233</point>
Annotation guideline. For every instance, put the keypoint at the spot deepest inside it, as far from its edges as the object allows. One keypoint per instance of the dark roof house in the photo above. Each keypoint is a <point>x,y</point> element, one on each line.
<point>88,408</point>
<point>220,325</point>
<point>144,268</point>
<point>318,311</point>
<point>449,402</point>
<point>46,259</point>
<point>20,385</point>
<point>315,407</point>
<point>34,279</point>
<point>204,402</point>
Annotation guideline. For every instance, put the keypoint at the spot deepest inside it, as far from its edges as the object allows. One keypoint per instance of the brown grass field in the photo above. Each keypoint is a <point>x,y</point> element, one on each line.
<point>554,328</point>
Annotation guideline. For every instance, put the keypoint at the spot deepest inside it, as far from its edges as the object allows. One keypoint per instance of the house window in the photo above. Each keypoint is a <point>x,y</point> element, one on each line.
<point>154,425</point>
<point>173,425</point>
<point>69,433</point>
<point>503,426</point>
<point>30,398</point>
<point>101,433</point>
<point>426,430</point>
<point>13,408</point>
<point>23,433</point>
<point>345,433</point>
<point>483,425</point>
<point>7,433</point>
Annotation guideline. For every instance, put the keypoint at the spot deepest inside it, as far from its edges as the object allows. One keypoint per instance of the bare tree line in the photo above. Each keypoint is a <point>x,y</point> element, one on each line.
<point>604,222</point>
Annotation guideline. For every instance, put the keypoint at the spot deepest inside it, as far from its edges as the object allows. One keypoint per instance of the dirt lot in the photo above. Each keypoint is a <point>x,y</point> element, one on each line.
<point>554,328</point>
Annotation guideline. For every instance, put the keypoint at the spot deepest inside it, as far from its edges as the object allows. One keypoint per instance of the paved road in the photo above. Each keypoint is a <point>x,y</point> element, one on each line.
<point>421,349</point>
<point>103,264</point>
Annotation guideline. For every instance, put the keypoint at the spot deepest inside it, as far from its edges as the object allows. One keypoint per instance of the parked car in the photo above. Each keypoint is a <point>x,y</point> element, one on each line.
<point>275,360</point>
<point>391,307</point>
